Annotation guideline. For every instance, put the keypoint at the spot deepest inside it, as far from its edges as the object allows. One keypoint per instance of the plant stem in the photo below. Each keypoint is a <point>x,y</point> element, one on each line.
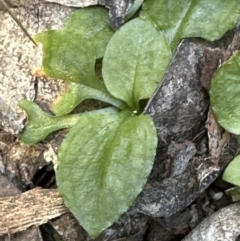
<point>17,21</point>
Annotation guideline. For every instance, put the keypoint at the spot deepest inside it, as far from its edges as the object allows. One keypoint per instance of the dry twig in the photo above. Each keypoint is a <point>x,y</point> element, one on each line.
<point>34,207</point>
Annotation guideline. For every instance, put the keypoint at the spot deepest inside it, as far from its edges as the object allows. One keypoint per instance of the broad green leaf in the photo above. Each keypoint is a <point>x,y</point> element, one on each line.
<point>225,94</point>
<point>104,163</point>
<point>92,26</point>
<point>41,124</point>
<point>76,93</point>
<point>135,61</point>
<point>70,53</point>
<point>66,57</point>
<point>232,172</point>
<point>192,18</point>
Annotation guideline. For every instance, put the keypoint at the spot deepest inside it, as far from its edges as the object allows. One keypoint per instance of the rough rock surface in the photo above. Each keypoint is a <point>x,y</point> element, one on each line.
<point>18,57</point>
<point>182,168</point>
<point>117,8</point>
<point>223,225</point>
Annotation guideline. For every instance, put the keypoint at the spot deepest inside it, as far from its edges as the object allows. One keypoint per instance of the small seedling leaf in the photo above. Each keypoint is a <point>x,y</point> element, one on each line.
<point>70,53</point>
<point>40,124</point>
<point>232,172</point>
<point>135,61</point>
<point>234,192</point>
<point>192,18</point>
<point>225,94</point>
<point>104,163</point>
<point>76,93</point>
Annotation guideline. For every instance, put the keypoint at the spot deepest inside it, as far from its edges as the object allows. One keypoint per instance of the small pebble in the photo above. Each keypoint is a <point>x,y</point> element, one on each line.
<point>217,196</point>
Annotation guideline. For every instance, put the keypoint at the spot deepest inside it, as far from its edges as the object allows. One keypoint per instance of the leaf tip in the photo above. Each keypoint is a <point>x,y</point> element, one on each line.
<point>38,72</point>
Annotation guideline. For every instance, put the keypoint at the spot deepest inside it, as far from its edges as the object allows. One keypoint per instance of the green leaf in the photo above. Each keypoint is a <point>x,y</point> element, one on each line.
<point>234,192</point>
<point>92,26</point>
<point>225,94</point>
<point>135,61</point>
<point>232,172</point>
<point>70,53</point>
<point>41,124</point>
<point>104,163</point>
<point>192,18</point>
<point>76,93</point>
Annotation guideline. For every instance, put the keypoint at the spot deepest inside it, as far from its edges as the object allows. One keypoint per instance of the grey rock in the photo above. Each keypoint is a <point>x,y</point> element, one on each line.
<point>223,225</point>
<point>18,57</point>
